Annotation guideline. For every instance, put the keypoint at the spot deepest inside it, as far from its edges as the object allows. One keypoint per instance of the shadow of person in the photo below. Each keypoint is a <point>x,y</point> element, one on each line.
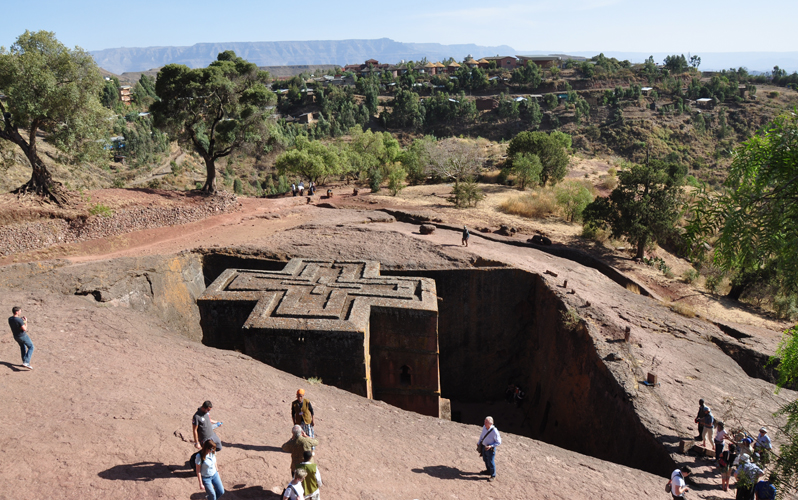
<point>250,447</point>
<point>253,492</point>
<point>12,366</point>
<point>144,471</point>
<point>446,472</point>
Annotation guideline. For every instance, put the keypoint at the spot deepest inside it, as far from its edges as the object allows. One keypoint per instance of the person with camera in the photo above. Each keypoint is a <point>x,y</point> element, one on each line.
<point>19,328</point>
<point>489,440</point>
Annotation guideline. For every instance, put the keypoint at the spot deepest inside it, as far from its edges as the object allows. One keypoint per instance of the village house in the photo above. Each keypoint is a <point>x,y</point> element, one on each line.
<point>540,60</point>
<point>504,62</point>
<point>126,94</point>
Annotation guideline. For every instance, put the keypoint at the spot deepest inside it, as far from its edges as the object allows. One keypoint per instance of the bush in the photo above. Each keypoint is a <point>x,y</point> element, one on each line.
<point>572,197</point>
<point>683,309</point>
<point>773,94</point>
<point>375,180</point>
<point>396,179</point>
<point>100,209</point>
<point>466,194</point>
<point>609,182</point>
<point>539,203</point>
<point>591,232</point>
<point>238,186</point>
<point>690,276</point>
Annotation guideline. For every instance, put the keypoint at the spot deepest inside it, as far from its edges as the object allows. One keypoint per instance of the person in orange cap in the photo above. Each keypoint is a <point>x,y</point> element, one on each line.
<point>302,413</point>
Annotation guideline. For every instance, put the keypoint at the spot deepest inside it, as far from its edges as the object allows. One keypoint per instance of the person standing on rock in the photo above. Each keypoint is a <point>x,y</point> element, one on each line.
<point>302,413</point>
<point>466,235</point>
<point>489,440</point>
<point>298,445</point>
<point>207,472</point>
<point>698,419</point>
<point>747,475</point>
<point>312,481</point>
<point>202,427</point>
<point>708,421</point>
<point>19,328</point>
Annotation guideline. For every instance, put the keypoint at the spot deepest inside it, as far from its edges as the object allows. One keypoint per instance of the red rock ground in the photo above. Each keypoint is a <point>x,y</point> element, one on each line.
<point>106,411</point>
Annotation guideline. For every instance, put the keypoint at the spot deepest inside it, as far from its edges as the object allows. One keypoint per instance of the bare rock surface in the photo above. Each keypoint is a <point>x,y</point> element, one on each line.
<point>110,393</point>
<point>106,414</point>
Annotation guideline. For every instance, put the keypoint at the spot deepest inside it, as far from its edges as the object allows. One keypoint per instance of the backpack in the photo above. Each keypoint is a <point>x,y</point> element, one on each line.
<point>282,495</point>
<point>723,459</point>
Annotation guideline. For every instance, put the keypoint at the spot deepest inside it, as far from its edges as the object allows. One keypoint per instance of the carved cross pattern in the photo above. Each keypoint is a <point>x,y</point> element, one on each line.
<point>326,295</point>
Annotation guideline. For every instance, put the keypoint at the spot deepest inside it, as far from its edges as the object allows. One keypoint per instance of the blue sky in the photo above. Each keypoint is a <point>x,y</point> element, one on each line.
<point>578,25</point>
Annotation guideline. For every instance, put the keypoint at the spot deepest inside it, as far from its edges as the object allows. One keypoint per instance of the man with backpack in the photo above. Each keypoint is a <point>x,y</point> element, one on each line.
<point>677,485</point>
<point>766,490</point>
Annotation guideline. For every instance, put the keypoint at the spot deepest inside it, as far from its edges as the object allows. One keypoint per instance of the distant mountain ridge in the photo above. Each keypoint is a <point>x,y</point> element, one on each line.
<point>339,52</point>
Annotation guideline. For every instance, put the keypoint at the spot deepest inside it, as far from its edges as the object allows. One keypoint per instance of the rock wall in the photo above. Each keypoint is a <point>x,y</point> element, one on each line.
<point>15,238</point>
<point>500,326</point>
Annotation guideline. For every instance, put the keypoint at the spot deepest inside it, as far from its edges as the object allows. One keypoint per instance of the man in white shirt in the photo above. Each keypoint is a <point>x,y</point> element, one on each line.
<point>678,486</point>
<point>490,440</point>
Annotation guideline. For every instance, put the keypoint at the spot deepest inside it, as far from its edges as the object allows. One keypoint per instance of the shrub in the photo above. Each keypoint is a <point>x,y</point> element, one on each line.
<point>118,183</point>
<point>396,179</point>
<point>609,182</point>
<point>633,288</point>
<point>690,276</point>
<point>572,197</point>
<point>238,186</point>
<point>100,209</point>
<point>594,233</point>
<point>465,194</point>
<point>773,94</point>
<point>712,283</point>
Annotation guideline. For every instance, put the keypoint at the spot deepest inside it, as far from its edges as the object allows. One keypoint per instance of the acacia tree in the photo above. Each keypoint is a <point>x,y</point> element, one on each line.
<point>644,207</point>
<point>215,110</point>
<point>460,161</point>
<point>756,215</point>
<point>52,89</point>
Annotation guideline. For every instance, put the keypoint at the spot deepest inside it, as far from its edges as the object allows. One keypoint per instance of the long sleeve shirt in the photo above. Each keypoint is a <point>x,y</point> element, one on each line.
<point>491,437</point>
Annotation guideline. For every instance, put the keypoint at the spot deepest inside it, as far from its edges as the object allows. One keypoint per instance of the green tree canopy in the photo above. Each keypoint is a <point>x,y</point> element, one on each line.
<point>215,110</point>
<point>550,149</point>
<point>310,160</point>
<point>52,89</point>
<point>644,207</point>
<point>755,217</point>
<point>527,169</point>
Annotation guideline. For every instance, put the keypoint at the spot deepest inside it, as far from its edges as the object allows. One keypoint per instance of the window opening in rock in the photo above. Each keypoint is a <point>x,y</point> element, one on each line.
<point>404,377</point>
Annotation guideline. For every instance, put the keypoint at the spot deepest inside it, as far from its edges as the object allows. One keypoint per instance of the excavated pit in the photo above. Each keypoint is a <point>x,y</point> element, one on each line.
<point>500,326</point>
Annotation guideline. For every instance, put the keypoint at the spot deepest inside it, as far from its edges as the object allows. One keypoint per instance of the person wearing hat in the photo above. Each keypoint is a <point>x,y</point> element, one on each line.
<point>747,475</point>
<point>763,441</point>
<point>302,413</point>
<point>708,422</point>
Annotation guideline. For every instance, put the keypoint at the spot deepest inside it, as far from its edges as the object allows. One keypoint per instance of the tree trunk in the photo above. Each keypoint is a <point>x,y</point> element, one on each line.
<point>210,179</point>
<point>641,247</point>
<point>41,181</point>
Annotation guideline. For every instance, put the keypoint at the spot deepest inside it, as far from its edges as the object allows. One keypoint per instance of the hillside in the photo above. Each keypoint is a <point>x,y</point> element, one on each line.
<point>340,52</point>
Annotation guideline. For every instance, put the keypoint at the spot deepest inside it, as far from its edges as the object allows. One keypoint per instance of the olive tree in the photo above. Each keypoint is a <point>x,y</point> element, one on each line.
<point>54,90</point>
<point>215,110</point>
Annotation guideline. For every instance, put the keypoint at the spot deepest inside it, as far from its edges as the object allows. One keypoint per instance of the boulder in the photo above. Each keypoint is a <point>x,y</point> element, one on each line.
<point>426,229</point>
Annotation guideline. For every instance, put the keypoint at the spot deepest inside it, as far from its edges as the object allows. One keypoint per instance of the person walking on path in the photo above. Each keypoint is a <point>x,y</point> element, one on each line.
<point>302,413</point>
<point>202,427</point>
<point>294,490</point>
<point>466,235</point>
<point>312,481</point>
<point>298,445</point>
<point>19,328</point>
<point>208,472</point>
<point>678,486</point>
<point>489,440</point>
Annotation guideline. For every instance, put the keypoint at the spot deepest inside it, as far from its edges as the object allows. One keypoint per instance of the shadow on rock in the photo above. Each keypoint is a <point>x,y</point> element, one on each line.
<point>446,472</point>
<point>144,471</point>
<point>254,492</point>
<point>12,366</point>
<point>250,447</point>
